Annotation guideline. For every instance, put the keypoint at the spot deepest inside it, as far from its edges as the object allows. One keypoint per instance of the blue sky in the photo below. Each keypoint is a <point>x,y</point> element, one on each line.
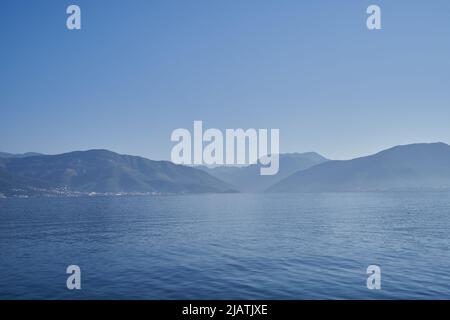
<point>140,69</point>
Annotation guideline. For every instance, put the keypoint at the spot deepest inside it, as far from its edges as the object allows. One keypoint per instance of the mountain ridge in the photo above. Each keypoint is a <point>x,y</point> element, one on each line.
<point>19,155</point>
<point>104,171</point>
<point>404,167</point>
<point>418,166</point>
<point>249,179</point>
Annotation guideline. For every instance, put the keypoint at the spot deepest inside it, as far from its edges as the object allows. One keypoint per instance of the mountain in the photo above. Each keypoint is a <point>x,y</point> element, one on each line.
<point>21,155</point>
<point>409,167</point>
<point>103,171</point>
<point>248,179</point>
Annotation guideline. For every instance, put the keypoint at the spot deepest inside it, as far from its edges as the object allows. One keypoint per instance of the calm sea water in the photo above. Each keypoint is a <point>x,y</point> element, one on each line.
<point>232,246</point>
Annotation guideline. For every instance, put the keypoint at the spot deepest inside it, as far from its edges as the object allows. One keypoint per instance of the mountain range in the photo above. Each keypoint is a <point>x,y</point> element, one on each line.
<point>20,155</point>
<point>409,167</point>
<point>102,171</point>
<point>249,179</point>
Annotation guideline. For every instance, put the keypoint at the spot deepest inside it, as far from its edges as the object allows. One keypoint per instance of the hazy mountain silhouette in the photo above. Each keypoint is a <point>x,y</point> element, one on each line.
<point>249,179</point>
<point>104,171</point>
<point>410,167</point>
<point>416,166</point>
<point>21,155</point>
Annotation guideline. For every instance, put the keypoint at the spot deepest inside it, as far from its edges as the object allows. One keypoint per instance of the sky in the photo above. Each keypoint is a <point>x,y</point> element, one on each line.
<point>137,70</point>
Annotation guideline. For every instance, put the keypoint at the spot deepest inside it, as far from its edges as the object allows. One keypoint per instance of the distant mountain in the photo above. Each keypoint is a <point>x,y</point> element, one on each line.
<point>248,179</point>
<point>409,167</point>
<point>21,155</point>
<point>104,171</point>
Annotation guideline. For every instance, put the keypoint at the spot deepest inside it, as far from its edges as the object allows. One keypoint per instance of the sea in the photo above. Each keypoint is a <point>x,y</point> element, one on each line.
<point>227,246</point>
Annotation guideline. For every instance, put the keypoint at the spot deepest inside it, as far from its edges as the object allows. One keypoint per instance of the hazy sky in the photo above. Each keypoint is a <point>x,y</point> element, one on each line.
<point>140,69</point>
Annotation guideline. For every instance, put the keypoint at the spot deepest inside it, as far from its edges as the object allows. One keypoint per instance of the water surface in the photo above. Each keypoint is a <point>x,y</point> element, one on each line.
<point>229,246</point>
